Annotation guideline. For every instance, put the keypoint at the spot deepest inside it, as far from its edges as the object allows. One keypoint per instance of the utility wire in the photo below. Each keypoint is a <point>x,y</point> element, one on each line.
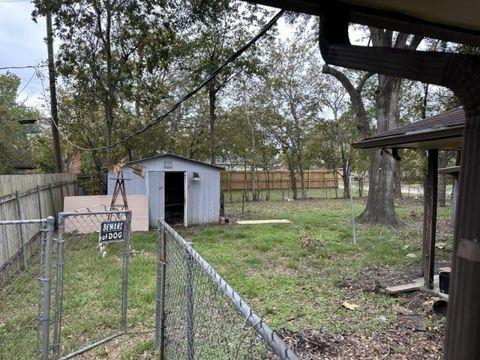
<point>22,67</point>
<point>28,83</point>
<point>160,118</point>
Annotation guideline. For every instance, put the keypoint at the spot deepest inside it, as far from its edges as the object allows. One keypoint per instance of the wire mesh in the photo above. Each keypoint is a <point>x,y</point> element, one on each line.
<point>91,293</point>
<point>22,288</point>
<point>201,316</point>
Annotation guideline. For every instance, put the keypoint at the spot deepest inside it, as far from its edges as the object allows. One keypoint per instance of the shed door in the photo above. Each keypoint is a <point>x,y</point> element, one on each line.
<point>156,184</point>
<point>185,196</point>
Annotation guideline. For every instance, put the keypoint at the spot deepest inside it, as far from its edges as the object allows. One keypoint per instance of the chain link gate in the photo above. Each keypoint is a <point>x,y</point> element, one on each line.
<point>92,281</point>
<point>25,306</point>
<point>199,316</point>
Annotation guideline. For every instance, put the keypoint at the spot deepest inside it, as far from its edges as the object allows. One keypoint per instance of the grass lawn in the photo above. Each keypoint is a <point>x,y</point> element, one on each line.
<point>296,275</point>
<point>293,274</point>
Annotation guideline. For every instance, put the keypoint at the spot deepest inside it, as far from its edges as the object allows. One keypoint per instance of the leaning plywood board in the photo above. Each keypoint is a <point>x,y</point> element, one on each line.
<point>256,222</point>
<point>137,203</point>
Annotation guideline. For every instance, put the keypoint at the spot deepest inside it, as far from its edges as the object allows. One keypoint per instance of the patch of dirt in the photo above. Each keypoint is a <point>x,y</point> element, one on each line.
<point>415,333</point>
<point>377,279</point>
<point>114,349</point>
<point>395,343</point>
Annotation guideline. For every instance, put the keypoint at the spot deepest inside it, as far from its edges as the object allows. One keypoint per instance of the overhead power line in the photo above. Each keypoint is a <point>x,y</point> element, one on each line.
<point>160,118</point>
<point>22,67</point>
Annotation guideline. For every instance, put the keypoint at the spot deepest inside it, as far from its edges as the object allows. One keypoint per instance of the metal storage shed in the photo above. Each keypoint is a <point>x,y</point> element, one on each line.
<point>179,190</point>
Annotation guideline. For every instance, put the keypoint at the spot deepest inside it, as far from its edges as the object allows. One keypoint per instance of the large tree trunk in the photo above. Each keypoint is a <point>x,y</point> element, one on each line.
<point>346,180</point>
<point>398,180</point>
<point>293,179</point>
<point>380,204</point>
<point>346,174</point>
<point>302,175</point>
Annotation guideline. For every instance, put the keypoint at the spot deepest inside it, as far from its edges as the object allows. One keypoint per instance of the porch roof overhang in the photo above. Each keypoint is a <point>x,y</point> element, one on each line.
<point>443,131</point>
<point>455,21</point>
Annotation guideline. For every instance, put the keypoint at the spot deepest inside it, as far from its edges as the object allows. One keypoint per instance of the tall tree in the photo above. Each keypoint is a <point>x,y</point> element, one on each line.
<point>218,29</point>
<point>292,96</point>
<point>14,141</point>
<point>335,133</point>
<point>103,44</point>
<point>380,204</point>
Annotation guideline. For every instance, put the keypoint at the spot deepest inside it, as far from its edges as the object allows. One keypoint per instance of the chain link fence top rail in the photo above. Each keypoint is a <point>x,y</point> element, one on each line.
<point>199,316</point>
<point>25,285</point>
<point>91,291</point>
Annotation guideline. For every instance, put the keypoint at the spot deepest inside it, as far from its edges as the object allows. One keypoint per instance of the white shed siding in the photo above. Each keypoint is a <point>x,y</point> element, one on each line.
<point>134,184</point>
<point>203,195</point>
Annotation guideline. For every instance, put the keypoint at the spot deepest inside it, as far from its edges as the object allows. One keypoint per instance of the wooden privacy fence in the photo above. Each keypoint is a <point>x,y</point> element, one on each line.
<point>277,180</point>
<point>26,197</point>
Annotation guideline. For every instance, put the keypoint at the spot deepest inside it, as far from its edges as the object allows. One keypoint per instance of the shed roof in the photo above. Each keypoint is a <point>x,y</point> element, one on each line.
<point>443,131</point>
<point>177,157</point>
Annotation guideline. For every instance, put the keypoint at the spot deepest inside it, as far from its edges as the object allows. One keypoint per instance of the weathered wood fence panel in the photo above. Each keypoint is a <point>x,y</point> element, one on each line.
<point>277,180</point>
<point>24,197</point>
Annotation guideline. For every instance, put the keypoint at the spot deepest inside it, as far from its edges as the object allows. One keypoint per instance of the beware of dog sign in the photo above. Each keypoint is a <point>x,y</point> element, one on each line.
<point>111,231</point>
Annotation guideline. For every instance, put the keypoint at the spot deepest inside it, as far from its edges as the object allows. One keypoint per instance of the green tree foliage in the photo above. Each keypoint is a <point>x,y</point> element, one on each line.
<point>14,138</point>
<point>291,92</point>
<point>109,50</point>
<point>217,31</point>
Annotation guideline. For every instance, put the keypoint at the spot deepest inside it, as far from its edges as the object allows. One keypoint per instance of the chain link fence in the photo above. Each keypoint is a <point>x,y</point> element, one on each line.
<point>199,316</point>
<point>25,289</point>
<point>92,281</point>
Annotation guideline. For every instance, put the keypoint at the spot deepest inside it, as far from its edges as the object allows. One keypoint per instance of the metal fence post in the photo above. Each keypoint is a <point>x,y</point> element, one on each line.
<point>160,301</point>
<point>52,197</point>
<point>46,283</point>
<point>62,196</point>
<point>39,199</point>
<point>58,287</point>
<point>126,256</point>
<point>190,308</point>
<point>22,229</point>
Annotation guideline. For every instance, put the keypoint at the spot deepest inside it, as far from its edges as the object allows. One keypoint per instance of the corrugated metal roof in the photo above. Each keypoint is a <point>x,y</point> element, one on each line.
<point>178,157</point>
<point>446,125</point>
<point>454,117</point>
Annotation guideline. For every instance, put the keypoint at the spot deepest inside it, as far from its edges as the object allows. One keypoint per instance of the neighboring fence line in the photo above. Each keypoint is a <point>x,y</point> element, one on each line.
<point>41,200</point>
<point>199,316</point>
<point>277,180</point>
<point>11,183</point>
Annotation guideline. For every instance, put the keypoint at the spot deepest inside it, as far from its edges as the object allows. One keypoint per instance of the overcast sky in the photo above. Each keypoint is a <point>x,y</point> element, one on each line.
<point>22,43</point>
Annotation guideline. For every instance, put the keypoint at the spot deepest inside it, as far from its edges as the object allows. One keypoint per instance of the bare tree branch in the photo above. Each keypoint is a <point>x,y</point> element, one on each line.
<point>360,114</point>
<point>363,81</point>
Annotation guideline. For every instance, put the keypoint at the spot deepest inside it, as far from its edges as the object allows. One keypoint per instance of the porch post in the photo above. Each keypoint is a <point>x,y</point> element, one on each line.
<point>430,218</point>
<point>463,318</point>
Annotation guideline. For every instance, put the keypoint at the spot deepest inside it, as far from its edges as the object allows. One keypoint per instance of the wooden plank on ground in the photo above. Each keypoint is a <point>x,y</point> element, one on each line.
<point>257,222</point>
<point>404,287</point>
<point>137,203</point>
